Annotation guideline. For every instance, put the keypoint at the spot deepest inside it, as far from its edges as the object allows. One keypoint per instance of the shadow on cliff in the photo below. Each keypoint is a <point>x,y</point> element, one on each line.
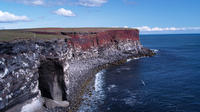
<point>51,80</point>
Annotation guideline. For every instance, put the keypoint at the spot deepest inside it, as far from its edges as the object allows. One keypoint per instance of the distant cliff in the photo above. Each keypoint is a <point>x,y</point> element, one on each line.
<point>50,75</point>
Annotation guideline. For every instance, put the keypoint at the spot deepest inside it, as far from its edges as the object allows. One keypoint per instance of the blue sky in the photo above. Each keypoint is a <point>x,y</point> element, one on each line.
<point>150,16</point>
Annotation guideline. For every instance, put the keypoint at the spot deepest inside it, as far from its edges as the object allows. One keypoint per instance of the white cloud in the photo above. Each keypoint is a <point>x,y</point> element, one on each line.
<point>115,27</point>
<point>86,3</point>
<point>38,2</point>
<point>92,3</point>
<point>6,17</point>
<point>147,28</point>
<point>64,12</point>
<point>30,2</point>
<point>125,26</point>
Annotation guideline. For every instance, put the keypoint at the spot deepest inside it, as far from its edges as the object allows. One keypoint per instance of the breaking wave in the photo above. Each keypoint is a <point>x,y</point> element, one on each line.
<point>130,59</point>
<point>95,96</point>
<point>155,50</point>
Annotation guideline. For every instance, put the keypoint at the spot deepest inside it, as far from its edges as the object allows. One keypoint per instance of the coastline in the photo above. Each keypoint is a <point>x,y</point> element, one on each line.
<point>103,63</point>
<point>56,72</point>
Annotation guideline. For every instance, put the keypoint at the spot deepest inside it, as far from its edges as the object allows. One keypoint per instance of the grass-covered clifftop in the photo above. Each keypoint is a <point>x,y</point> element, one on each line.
<point>46,33</point>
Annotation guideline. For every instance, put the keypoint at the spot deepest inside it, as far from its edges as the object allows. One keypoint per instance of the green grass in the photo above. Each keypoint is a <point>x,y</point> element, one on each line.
<point>9,35</point>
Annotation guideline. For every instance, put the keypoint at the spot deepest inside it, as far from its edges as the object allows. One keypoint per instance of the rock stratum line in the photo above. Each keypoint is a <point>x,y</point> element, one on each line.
<point>51,74</point>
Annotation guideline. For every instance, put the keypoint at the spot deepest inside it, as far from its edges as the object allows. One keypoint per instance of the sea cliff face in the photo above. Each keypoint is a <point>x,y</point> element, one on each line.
<point>45,75</point>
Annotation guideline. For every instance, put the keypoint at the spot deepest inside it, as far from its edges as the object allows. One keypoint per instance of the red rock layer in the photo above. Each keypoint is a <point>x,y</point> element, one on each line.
<point>103,38</point>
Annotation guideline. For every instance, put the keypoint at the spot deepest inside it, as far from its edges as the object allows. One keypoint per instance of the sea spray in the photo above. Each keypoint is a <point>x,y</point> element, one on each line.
<point>130,59</point>
<point>155,50</point>
<point>95,96</point>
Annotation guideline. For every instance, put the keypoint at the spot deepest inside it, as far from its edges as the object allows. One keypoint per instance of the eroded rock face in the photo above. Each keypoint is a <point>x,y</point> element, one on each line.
<point>19,63</point>
<point>101,39</point>
<point>51,80</point>
<point>59,69</point>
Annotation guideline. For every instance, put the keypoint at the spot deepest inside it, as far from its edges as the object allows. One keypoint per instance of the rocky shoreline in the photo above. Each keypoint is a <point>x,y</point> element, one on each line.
<point>51,75</point>
<point>93,65</point>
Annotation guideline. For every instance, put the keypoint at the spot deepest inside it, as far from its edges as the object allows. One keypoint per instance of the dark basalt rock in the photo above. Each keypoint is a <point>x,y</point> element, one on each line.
<point>60,69</point>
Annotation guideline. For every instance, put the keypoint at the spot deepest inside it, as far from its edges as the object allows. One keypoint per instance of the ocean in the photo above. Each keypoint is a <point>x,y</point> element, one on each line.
<point>166,82</point>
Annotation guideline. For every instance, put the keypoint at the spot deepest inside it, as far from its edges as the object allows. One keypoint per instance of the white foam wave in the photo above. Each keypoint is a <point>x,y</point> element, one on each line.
<point>155,50</point>
<point>143,82</point>
<point>99,81</point>
<point>130,59</point>
<point>111,87</point>
<point>136,58</point>
<point>97,95</point>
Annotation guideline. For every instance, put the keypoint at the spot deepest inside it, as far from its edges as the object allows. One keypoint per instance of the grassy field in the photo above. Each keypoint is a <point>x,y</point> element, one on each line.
<point>9,35</point>
<point>51,33</point>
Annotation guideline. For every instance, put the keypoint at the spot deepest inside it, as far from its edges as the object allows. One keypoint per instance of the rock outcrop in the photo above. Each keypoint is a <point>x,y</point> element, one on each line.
<point>40,74</point>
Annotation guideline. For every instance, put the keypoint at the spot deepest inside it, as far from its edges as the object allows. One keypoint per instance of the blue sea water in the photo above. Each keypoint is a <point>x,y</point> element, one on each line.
<point>166,82</point>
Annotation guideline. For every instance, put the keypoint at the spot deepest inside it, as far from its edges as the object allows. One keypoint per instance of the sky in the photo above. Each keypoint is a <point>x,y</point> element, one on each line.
<point>149,16</point>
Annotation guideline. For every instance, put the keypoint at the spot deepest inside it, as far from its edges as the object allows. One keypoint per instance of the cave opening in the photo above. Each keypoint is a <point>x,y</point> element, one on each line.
<point>51,80</point>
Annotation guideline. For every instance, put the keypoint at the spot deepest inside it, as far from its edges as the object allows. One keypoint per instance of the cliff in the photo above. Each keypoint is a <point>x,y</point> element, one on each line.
<point>50,75</point>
